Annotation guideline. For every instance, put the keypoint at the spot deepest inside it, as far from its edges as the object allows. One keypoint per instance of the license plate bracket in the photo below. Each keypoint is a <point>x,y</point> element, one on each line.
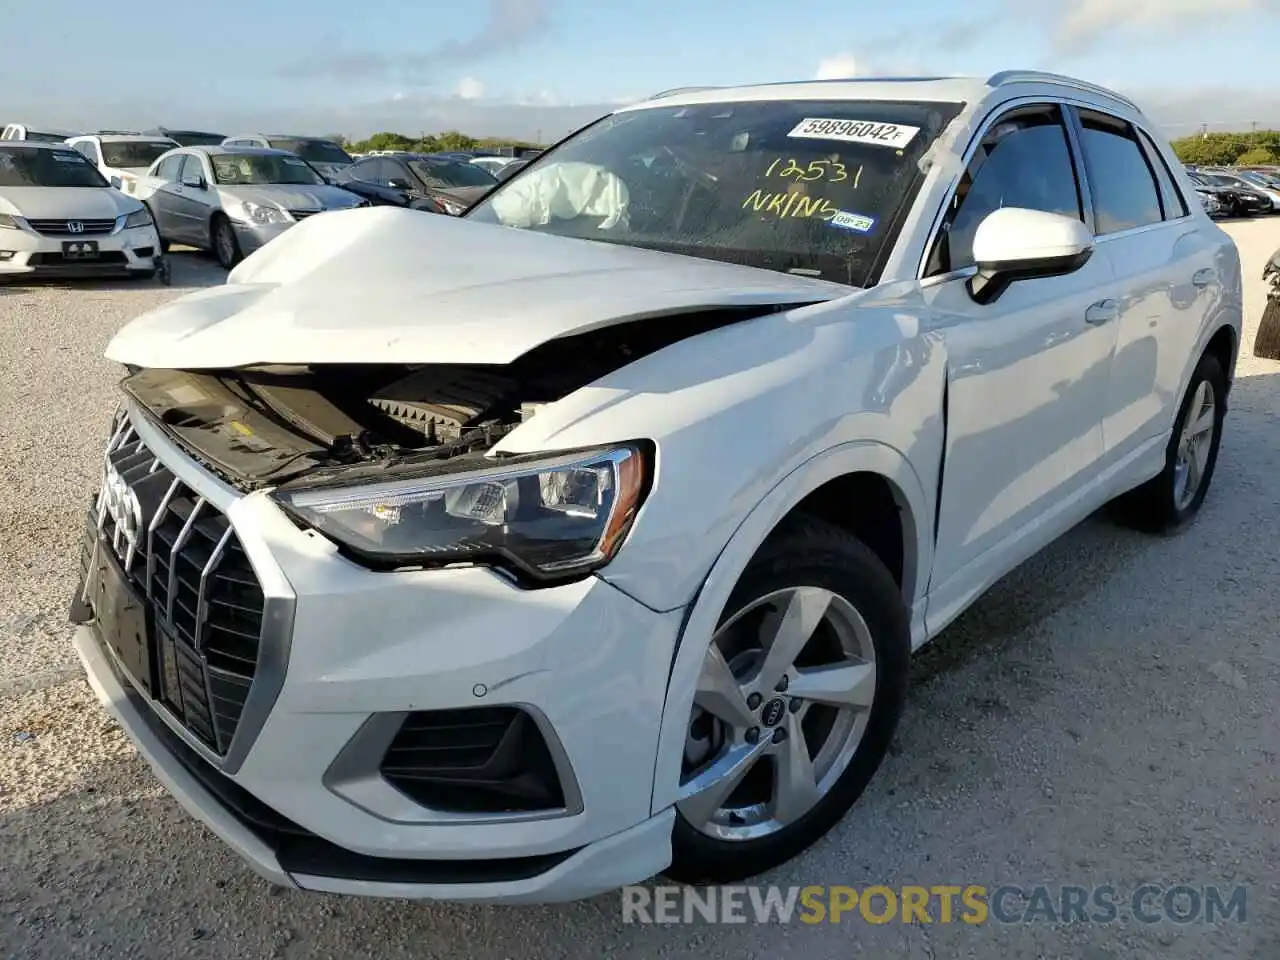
<point>80,250</point>
<point>122,618</point>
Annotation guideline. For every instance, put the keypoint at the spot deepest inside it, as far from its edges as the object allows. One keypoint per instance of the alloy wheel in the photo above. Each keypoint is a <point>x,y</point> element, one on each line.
<point>782,703</point>
<point>1194,446</point>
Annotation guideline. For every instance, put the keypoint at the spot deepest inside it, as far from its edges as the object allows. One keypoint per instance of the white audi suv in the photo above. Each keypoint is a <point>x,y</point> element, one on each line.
<point>589,535</point>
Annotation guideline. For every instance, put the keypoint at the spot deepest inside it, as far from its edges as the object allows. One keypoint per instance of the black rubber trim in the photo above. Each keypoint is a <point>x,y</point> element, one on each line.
<point>299,851</point>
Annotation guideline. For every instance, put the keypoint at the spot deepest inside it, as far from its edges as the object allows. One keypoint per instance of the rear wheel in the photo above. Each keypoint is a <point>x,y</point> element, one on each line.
<point>1266,344</point>
<point>800,692</point>
<point>223,242</point>
<point>1173,497</point>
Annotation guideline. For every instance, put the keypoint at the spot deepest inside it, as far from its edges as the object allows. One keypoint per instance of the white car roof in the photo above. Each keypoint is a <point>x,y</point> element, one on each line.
<point>968,90</point>
<point>124,138</point>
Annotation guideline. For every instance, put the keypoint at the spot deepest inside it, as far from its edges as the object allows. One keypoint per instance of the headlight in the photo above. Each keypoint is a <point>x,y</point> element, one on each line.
<point>139,218</point>
<point>548,518</point>
<point>260,213</point>
<point>8,222</point>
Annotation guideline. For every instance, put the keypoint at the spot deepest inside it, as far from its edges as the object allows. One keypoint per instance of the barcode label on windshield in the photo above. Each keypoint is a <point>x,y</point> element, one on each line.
<point>893,135</point>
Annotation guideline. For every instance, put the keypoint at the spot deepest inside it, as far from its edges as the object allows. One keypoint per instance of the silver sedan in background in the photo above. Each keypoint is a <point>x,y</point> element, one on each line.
<point>233,200</point>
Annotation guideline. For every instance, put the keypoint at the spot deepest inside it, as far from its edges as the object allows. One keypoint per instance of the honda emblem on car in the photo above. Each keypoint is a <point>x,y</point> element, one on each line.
<point>75,226</point>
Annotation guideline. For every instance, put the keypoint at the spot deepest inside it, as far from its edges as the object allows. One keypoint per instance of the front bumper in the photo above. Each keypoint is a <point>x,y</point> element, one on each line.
<point>300,793</point>
<point>23,251</point>
<point>252,236</point>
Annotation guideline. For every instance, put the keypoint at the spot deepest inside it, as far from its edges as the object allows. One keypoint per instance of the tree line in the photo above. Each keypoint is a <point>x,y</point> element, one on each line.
<point>1229,149</point>
<point>427,143</point>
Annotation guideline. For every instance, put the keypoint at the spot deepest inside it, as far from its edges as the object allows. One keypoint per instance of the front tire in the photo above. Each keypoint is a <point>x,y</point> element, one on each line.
<point>800,693</point>
<point>223,242</point>
<point>1171,498</point>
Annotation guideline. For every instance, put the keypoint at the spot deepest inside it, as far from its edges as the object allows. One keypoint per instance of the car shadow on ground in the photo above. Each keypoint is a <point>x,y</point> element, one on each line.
<point>190,269</point>
<point>109,865</point>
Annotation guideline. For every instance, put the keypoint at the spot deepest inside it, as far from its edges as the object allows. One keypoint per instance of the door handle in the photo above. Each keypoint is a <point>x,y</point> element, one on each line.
<point>1202,278</point>
<point>1104,311</point>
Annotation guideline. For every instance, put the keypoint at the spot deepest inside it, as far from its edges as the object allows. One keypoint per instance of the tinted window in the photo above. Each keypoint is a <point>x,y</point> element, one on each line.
<point>134,153</point>
<point>367,171</point>
<point>47,168</point>
<point>446,174</point>
<point>1124,188</point>
<point>314,151</point>
<point>39,137</point>
<point>1024,161</point>
<point>805,186</point>
<point>1171,199</point>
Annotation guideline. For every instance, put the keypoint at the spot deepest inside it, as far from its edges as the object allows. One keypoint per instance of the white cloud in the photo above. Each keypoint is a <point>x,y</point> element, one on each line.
<point>469,88</point>
<point>837,67</point>
<point>1080,24</point>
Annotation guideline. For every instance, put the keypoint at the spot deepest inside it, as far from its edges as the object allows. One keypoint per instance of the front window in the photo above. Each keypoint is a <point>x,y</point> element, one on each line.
<point>314,151</point>
<point>47,168</point>
<point>450,174</point>
<point>134,153</point>
<point>806,187</point>
<point>46,137</point>
<point>257,168</point>
<point>193,138</point>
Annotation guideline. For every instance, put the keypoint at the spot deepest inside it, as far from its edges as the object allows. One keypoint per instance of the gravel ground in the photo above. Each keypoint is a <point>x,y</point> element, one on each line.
<point>1106,715</point>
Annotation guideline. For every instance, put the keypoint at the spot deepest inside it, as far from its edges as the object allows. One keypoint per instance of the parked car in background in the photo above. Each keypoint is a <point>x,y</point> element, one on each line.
<point>59,217</point>
<point>188,138</point>
<point>22,131</point>
<point>122,158</point>
<point>511,169</point>
<point>324,155</point>
<point>233,200</point>
<point>590,535</point>
<point>1235,202</point>
<point>453,185</point>
<point>1264,180</point>
<point>1240,183</point>
<point>494,165</point>
<point>1211,202</point>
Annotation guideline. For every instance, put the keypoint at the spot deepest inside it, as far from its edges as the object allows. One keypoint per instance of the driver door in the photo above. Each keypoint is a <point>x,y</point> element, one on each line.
<point>1028,374</point>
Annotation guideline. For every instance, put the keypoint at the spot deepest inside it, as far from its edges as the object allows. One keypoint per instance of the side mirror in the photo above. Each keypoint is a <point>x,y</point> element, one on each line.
<point>196,182</point>
<point>395,183</point>
<point>115,182</point>
<point>1014,244</point>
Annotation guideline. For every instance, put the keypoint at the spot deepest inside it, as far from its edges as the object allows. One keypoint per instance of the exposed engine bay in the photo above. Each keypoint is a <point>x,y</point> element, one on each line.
<point>264,426</point>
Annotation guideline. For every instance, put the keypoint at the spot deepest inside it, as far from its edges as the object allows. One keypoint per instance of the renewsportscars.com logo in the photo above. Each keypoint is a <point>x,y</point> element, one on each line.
<point>974,904</point>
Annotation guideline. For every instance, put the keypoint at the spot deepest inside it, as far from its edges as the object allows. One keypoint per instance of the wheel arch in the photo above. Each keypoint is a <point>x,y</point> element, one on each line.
<point>820,486</point>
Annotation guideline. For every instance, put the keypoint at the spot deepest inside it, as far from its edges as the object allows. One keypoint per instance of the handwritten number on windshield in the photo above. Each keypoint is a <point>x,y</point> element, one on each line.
<point>831,171</point>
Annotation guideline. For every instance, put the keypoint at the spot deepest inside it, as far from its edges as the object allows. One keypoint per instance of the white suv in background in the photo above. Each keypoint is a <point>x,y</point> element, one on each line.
<point>121,157</point>
<point>589,535</point>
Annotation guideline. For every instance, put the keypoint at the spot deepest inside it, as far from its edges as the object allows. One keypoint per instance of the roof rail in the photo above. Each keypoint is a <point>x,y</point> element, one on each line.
<point>1041,76</point>
<point>676,90</point>
<point>122,133</point>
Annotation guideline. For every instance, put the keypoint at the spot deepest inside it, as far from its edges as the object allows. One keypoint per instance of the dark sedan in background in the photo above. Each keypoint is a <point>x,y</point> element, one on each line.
<point>1236,200</point>
<point>421,181</point>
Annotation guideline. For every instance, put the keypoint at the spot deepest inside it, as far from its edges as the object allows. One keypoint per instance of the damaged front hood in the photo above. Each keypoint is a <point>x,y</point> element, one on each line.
<point>385,285</point>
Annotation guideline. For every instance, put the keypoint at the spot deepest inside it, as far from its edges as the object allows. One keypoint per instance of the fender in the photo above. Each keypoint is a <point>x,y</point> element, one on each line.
<point>708,604</point>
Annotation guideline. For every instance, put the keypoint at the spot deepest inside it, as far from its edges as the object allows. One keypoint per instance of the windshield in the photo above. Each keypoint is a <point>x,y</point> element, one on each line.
<point>194,138</point>
<point>447,174</point>
<point>260,168</point>
<point>47,168</point>
<point>1221,181</point>
<point>46,137</point>
<point>314,151</point>
<point>1260,179</point>
<point>808,187</point>
<point>134,153</point>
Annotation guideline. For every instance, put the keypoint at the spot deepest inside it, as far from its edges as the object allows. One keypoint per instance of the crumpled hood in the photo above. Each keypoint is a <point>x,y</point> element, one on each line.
<point>386,285</point>
<point>54,203</point>
<point>291,197</point>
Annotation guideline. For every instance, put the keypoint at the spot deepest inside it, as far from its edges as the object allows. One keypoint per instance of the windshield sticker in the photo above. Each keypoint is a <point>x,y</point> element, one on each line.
<point>857,222</point>
<point>893,135</point>
<point>828,170</point>
<point>68,157</point>
<point>291,161</point>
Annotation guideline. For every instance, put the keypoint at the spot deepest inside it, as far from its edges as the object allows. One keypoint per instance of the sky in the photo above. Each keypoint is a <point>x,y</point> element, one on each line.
<point>541,68</point>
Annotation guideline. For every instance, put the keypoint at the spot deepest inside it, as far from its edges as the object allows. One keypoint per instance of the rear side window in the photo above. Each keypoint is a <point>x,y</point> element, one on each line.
<point>191,167</point>
<point>1125,194</point>
<point>1024,161</point>
<point>1171,199</point>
